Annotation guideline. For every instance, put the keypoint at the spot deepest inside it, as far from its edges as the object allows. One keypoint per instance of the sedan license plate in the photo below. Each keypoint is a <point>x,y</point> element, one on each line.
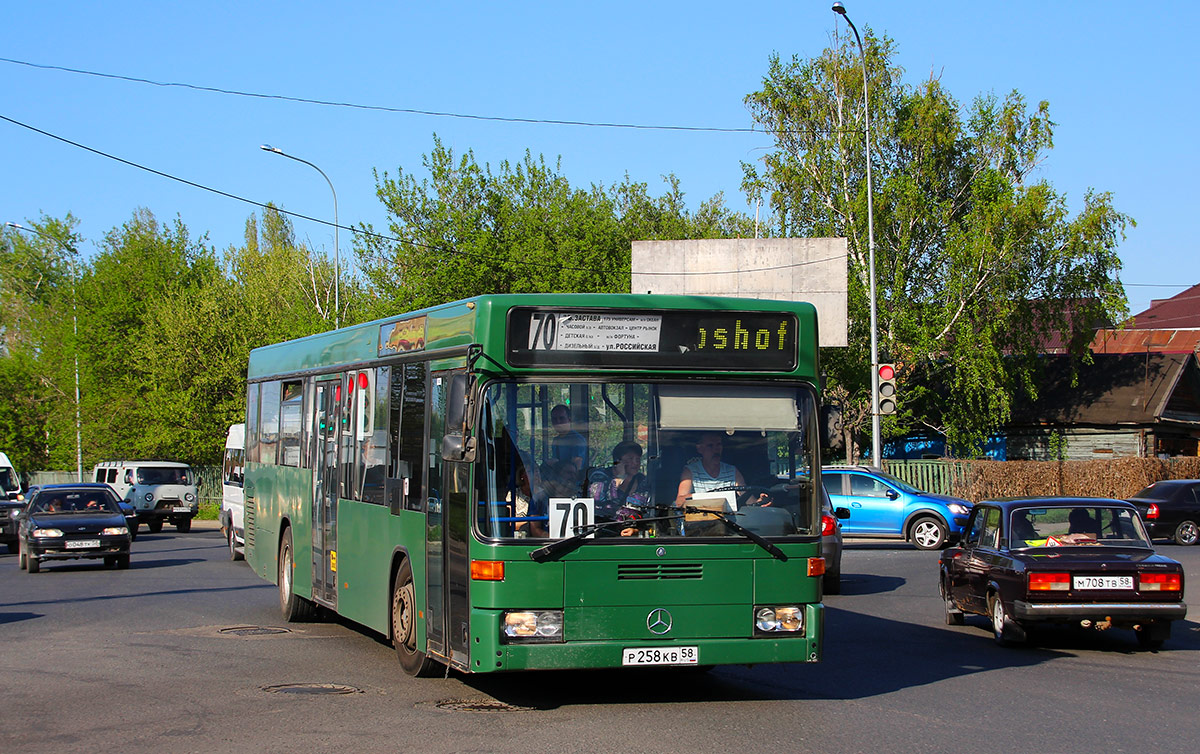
<point>660,656</point>
<point>182,509</point>
<point>82,544</point>
<point>1101,582</point>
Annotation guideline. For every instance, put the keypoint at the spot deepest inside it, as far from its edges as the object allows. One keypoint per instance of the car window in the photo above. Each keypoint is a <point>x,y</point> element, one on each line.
<point>1080,525</point>
<point>833,482</point>
<point>991,529</point>
<point>1157,491</point>
<point>861,484</point>
<point>978,518</point>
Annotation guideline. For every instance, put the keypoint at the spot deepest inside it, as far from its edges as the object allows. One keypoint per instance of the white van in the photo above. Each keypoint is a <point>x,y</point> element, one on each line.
<point>12,499</point>
<point>160,491</point>
<point>10,480</point>
<point>233,506</point>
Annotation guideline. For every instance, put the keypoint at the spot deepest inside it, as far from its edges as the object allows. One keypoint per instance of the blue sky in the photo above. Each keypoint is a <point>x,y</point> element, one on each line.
<point>1121,80</point>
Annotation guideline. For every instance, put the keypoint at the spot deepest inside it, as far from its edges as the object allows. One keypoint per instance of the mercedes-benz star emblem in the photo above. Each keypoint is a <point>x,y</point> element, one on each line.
<point>658,621</point>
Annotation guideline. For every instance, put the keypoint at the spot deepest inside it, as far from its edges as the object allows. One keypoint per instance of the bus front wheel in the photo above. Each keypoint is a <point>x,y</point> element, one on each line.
<point>404,626</point>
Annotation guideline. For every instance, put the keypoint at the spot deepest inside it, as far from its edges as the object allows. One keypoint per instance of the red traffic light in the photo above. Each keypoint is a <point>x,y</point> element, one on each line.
<point>887,372</point>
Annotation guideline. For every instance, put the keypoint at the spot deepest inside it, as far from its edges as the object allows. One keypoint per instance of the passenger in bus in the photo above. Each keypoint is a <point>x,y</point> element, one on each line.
<point>621,491</point>
<point>621,485</point>
<point>567,444</point>
<point>530,501</point>
<point>560,478</point>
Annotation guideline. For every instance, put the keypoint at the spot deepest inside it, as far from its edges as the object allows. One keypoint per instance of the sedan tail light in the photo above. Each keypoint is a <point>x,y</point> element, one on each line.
<point>1049,582</point>
<point>1152,511</point>
<point>828,524</point>
<point>1160,582</point>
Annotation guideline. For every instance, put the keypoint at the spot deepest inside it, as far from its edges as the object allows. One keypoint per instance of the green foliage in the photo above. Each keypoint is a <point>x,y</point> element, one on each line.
<point>466,231</point>
<point>977,263</point>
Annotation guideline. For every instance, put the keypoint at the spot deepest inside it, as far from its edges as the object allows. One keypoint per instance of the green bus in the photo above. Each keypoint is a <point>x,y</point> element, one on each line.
<point>519,482</point>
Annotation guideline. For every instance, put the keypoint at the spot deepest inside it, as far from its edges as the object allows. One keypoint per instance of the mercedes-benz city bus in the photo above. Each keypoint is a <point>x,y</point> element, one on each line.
<point>520,482</point>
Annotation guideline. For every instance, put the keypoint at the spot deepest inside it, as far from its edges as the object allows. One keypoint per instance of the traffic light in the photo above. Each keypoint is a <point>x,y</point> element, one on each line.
<point>887,389</point>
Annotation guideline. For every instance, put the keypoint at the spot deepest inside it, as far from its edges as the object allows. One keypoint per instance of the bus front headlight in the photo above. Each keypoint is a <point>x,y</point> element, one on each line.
<point>779,619</point>
<point>532,626</point>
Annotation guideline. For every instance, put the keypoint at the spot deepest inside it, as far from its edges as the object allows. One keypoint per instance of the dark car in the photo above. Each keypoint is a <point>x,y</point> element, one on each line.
<point>1081,561</point>
<point>884,506</point>
<point>1171,510</point>
<point>71,521</point>
<point>9,510</point>
<point>831,544</point>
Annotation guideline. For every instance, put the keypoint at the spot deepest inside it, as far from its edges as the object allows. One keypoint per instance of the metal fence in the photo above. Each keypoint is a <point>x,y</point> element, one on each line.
<point>208,479</point>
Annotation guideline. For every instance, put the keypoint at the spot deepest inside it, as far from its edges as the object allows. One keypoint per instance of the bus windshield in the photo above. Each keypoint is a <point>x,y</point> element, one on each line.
<point>647,460</point>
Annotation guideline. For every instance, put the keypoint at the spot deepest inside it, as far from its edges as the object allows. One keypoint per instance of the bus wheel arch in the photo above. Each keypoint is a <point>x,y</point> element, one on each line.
<point>403,622</point>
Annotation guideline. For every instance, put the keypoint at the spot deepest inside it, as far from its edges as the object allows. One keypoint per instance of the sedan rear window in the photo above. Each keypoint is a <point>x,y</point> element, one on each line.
<point>1079,525</point>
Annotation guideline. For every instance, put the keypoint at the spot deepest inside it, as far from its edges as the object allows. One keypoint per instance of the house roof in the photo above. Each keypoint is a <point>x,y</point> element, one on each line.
<point>1117,388</point>
<point>1142,341</point>
<point>1181,311</point>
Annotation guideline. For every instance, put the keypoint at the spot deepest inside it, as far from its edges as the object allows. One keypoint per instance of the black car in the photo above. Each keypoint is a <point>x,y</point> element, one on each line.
<point>1081,561</point>
<point>9,510</point>
<point>1171,510</point>
<point>71,521</point>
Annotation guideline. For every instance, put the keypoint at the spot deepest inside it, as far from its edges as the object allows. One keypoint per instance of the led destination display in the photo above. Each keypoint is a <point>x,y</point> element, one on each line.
<point>750,341</point>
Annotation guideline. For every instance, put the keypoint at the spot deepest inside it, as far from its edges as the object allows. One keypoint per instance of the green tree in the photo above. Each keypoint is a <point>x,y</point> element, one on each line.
<point>977,260</point>
<point>466,230</point>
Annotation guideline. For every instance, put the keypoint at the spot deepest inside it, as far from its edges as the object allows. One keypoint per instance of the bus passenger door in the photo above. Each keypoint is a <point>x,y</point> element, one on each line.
<point>325,492</point>
<point>447,530</point>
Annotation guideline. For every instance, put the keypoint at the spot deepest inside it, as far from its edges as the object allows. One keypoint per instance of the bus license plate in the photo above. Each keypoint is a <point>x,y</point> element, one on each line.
<point>1102,582</point>
<point>660,656</point>
<point>182,509</point>
<point>81,544</point>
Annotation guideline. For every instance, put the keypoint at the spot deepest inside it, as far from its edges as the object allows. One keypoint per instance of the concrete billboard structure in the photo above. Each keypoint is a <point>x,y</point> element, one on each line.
<point>789,269</point>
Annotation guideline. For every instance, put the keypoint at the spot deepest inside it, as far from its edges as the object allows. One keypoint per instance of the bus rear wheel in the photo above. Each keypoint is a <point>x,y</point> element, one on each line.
<point>293,607</point>
<point>404,626</point>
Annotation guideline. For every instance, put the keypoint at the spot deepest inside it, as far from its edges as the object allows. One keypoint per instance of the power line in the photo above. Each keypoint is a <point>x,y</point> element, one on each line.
<point>363,231</point>
<point>380,108</point>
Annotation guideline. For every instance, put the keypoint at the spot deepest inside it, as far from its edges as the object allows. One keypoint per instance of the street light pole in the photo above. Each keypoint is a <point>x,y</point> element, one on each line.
<point>876,438</point>
<point>75,329</point>
<point>337,259</point>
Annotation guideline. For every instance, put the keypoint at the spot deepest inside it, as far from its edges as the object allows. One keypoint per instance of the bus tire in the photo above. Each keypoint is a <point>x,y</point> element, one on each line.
<point>404,626</point>
<point>154,525</point>
<point>183,525</point>
<point>234,554</point>
<point>293,607</point>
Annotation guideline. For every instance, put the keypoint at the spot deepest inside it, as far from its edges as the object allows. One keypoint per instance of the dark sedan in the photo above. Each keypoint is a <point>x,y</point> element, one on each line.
<point>1081,561</point>
<point>71,521</point>
<point>1171,510</point>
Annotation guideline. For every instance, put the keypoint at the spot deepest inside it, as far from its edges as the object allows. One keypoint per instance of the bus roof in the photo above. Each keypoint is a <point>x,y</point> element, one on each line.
<point>446,331</point>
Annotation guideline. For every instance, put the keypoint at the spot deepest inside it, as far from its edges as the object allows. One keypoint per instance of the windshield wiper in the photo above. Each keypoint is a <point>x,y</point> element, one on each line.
<point>543,554</point>
<point>753,536</point>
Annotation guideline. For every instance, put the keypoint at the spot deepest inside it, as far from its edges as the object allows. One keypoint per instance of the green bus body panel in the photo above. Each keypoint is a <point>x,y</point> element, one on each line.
<point>483,320</point>
<point>368,538</point>
<point>279,493</point>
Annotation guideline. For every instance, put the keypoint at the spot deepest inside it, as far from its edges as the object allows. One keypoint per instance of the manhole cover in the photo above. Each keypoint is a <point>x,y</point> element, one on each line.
<point>312,689</point>
<point>478,705</point>
<point>254,631</point>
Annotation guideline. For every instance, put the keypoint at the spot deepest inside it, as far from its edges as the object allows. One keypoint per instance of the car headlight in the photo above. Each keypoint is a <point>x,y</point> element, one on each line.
<point>149,497</point>
<point>114,531</point>
<point>779,619</point>
<point>532,626</point>
<point>958,510</point>
<point>189,497</point>
<point>14,512</point>
<point>40,533</point>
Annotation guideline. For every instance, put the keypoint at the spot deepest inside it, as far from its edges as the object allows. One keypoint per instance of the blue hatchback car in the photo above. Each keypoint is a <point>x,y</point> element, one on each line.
<point>881,505</point>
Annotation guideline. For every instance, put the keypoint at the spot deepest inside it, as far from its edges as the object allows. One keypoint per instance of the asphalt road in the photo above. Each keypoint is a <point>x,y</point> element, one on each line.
<point>143,660</point>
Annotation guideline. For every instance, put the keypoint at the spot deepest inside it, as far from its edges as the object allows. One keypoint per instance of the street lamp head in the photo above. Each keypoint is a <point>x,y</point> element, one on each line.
<point>15,225</point>
<point>839,9</point>
<point>268,148</point>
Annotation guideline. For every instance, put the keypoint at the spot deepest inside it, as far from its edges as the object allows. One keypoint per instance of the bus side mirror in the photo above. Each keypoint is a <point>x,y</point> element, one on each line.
<point>457,444</point>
